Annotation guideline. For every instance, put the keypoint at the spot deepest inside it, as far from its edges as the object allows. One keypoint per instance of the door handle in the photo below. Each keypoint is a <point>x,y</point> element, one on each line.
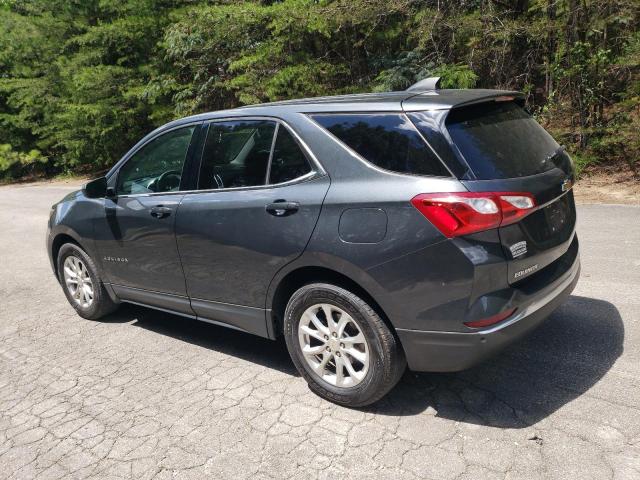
<point>160,211</point>
<point>282,208</point>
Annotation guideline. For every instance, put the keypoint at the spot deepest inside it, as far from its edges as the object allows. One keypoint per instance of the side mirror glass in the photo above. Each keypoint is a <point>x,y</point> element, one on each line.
<point>96,188</point>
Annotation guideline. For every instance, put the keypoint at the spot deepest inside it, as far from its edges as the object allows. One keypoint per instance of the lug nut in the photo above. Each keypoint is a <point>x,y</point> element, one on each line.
<point>338,354</point>
<point>334,334</point>
<point>342,345</point>
<point>326,337</point>
<point>328,349</point>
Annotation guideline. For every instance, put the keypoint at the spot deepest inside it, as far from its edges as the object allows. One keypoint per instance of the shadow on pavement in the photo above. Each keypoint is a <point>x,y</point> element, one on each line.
<point>221,339</point>
<point>520,386</point>
<point>528,381</point>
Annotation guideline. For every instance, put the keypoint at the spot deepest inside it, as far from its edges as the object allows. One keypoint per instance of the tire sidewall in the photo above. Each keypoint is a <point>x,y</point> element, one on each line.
<point>314,294</point>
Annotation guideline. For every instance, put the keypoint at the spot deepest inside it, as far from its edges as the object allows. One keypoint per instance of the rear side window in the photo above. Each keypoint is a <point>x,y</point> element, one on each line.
<point>288,161</point>
<point>501,140</point>
<point>428,124</point>
<point>388,140</point>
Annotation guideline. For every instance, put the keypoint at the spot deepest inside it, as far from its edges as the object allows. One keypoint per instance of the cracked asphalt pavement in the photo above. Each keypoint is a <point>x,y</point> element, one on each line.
<point>146,395</point>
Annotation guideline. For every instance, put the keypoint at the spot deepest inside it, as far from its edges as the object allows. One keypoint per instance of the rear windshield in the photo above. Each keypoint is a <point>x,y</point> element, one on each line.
<point>388,140</point>
<point>501,140</point>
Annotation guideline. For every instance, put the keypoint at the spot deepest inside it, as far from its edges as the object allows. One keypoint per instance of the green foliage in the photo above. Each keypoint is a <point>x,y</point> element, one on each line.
<point>82,81</point>
<point>456,76</point>
<point>16,164</point>
<point>407,71</point>
<point>582,160</point>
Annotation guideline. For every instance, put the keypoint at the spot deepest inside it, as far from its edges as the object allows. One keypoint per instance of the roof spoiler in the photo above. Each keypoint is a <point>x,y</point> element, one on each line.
<point>431,83</point>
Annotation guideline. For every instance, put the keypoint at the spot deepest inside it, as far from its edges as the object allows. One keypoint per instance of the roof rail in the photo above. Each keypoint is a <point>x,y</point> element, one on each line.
<point>431,83</point>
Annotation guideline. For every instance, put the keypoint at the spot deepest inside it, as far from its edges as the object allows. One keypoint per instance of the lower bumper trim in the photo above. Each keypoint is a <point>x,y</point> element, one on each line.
<point>431,351</point>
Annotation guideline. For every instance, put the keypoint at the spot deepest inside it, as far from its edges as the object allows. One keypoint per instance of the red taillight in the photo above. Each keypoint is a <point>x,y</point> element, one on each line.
<point>462,213</point>
<point>515,206</point>
<point>485,322</point>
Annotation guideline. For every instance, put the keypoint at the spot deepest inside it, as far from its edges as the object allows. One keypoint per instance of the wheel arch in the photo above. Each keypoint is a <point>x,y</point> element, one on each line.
<point>303,275</point>
<point>58,241</point>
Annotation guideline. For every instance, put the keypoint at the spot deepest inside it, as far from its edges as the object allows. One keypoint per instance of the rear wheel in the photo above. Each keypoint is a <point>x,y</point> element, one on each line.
<point>79,278</point>
<point>341,346</point>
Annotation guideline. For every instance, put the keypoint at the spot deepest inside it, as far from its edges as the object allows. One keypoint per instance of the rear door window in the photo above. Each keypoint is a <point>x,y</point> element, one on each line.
<point>288,161</point>
<point>501,140</point>
<point>236,154</point>
<point>387,140</point>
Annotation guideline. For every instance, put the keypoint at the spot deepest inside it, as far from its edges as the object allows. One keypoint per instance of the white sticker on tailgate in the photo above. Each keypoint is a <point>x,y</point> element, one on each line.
<point>518,249</point>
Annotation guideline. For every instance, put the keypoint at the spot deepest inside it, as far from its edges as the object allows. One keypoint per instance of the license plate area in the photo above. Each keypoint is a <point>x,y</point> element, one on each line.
<point>552,225</point>
<point>538,239</point>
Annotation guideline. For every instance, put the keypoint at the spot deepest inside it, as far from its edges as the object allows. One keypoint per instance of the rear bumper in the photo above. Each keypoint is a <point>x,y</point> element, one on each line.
<point>431,351</point>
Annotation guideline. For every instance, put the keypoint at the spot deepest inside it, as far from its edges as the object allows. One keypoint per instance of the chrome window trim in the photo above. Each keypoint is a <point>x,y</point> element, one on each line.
<point>436,154</point>
<point>366,162</point>
<point>304,178</point>
<point>305,148</point>
<point>273,149</point>
<point>318,171</point>
<point>152,139</point>
<point>127,156</point>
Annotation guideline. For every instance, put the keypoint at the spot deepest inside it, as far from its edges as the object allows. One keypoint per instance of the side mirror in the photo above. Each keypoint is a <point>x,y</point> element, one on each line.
<point>96,188</point>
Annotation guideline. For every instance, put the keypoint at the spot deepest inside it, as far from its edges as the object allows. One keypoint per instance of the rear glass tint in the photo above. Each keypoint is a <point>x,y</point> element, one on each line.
<point>388,141</point>
<point>428,124</point>
<point>288,161</point>
<point>236,154</point>
<point>501,140</point>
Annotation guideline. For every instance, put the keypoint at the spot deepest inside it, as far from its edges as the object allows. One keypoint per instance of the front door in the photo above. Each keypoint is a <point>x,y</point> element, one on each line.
<point>260,203</point>
<point>136,236</point>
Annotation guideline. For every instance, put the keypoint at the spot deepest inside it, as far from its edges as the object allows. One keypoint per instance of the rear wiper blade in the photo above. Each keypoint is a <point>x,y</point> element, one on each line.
<point>554,154</point>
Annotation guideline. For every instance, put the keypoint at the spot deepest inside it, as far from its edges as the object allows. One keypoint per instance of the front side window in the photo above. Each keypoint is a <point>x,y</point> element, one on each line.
<point>288,162</point>
<point>156,167</point>
<point>236,154</point>
<point>388,140</point>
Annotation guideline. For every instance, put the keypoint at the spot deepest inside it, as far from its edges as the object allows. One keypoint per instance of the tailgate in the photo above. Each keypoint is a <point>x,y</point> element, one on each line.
<point>506,150</point>
<point>544,235</point>
<point>540,238</point>
<point>495,146</point>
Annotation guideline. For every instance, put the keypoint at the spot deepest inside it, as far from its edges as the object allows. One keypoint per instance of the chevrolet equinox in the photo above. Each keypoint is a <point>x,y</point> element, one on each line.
<point>427,228</point>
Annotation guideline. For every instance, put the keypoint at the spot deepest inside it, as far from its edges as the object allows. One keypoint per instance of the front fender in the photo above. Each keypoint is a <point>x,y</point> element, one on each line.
<point>73,218</point>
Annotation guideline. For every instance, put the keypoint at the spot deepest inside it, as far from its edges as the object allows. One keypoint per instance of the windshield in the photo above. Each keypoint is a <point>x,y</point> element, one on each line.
<point>501,140</point>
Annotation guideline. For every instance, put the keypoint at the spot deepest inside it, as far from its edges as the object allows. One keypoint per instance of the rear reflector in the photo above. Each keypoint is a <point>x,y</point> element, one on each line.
<point>485,322</point>
<point>462,213</point>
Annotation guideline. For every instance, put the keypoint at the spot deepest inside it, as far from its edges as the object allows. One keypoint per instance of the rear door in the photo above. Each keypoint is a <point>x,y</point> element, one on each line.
<point>503,149</point>
<point>258,202</point>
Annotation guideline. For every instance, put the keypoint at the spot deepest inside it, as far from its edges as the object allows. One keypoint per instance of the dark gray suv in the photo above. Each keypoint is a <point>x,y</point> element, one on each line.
<point>425,227</point>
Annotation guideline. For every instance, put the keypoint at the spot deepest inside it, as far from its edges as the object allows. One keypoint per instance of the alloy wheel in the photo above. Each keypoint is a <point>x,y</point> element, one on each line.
<point>333,345</point>
<point>78,281</point>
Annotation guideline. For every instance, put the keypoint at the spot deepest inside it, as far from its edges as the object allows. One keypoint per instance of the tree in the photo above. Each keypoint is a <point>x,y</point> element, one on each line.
<point>80,81</point>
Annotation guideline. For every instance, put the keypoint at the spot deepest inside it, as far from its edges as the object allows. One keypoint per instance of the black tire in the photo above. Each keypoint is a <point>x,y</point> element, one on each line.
<point>102,303</point>
<point>386,363</point>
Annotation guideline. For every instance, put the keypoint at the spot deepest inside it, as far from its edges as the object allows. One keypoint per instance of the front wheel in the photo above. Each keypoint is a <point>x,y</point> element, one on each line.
<point>341,346</point>
<point>79,278</point>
